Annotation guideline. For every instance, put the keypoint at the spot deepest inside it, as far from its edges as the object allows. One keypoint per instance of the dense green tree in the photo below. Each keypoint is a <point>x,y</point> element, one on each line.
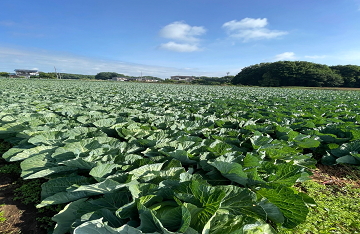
<point>205,80</point>
<point>350,74</point>
<point>4,74</point>
<point>288,73</point>
<point>107,75</point>
<point>43,75</point>
<point>76,76</point>
<point>250,75</point>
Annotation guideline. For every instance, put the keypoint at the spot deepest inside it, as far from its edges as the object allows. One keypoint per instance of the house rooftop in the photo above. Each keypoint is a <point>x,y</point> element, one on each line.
<point>25,70</point>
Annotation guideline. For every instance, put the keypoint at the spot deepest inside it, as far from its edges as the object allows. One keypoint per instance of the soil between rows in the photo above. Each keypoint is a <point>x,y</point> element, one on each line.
<point>18,218</point>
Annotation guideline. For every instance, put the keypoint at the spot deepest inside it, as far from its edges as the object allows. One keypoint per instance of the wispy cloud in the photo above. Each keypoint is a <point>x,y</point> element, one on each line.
<point>179,47</point>
<point>186,37</point>
<point>350,56</point>
<point>285,56</point>
<point>11,59</point>
<point>28,34</point>
<point>315,56</point>
<point>7,23</point>
<point>251,29</point>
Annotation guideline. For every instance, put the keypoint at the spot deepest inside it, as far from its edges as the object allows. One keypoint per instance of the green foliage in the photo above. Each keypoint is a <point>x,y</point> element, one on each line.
<point>336,211</point>
<point>2,218</point>
<point>77,76</point>
<point>7,168</point>
<point>29,193</point>
<point>43,75</point>
<point>4,74</point>
<point>291,73</point>
<point>4,146</point>
<point>203,80</point>
<point>165,158</point>
<point>350,74</point>
<point>10,168</point>
<point>107,75</point>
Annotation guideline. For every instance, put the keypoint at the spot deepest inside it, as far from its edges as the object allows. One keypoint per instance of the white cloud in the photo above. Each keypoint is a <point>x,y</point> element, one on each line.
<point>245,23</point>
<point>179,47</point>
<point>182,32</point>
<point>285,56</point>
<point>251,29</point>
<point>186,37</point>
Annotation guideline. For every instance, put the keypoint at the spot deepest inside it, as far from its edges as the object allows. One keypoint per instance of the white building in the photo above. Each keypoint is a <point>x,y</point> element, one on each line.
<point>25,72</point>
<point>183,78</point>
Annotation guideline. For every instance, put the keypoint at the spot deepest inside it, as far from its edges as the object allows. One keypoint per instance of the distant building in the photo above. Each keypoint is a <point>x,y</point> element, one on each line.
<point>25,72</point>
<point>183,78</point>
<point>133,79</point>
<point>120,79</point>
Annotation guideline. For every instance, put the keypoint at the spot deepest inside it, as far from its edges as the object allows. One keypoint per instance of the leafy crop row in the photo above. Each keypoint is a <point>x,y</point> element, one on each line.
<point>155,158</point>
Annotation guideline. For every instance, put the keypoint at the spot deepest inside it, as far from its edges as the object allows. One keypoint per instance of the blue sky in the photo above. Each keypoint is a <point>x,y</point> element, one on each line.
<point>175,37</point>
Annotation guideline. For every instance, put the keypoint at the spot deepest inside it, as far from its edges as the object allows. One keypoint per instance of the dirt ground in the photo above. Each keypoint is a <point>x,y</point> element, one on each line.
<point>339,175</point>
<point>15,217</point>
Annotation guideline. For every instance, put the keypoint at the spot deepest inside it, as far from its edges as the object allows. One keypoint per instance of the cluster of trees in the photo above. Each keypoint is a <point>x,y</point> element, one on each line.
<point>349,73</point>
<point>76,76</point>
<point>299,73</point>
<point>204,80</point>
<point>110,75</point>
<point>68,76</point>
<point>53,75</point>
<point>4,74</point>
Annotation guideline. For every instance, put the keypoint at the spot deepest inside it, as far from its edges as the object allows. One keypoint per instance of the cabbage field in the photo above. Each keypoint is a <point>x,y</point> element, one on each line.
<point>160,158</point>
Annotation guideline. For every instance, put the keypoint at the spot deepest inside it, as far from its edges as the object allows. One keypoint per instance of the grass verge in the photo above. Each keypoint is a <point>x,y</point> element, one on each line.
<point>336,191</point>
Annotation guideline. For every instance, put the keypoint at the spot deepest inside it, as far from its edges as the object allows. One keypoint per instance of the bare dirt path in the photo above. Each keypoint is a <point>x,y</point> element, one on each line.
<point>15,217</point>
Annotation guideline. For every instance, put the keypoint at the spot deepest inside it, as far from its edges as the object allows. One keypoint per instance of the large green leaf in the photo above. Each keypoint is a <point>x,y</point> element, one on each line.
<point>259,140</point>
<point>102,170</point>
<point>98,227</point>
<point>146,169</point>
<point>173,217</point>
<point>203,201</point>
<point>76,192</point>
<point>60,184</point>
<point>241,201</point>
<point>181,155</point>
<point>84,210</point>
<point>107,216</point>
<point>27,153</point>
<point>231,170</point>
<point>346,149</point>
<point>305,141</point>
<point>285,174</point>
<point>42,165</point>
<point>67,216</point>
<point>290,204</point>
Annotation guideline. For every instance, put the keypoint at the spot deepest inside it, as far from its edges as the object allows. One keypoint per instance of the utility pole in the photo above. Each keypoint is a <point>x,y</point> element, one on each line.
<point>58,75</point>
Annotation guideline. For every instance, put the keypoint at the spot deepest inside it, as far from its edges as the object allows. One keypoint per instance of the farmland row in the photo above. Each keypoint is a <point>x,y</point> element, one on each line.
<point>156,158</point>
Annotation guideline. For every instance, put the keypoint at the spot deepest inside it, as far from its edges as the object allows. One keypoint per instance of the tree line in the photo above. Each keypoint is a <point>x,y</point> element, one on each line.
<point>281,73</point>
<point>298,73</point>
<point>202,80</point>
